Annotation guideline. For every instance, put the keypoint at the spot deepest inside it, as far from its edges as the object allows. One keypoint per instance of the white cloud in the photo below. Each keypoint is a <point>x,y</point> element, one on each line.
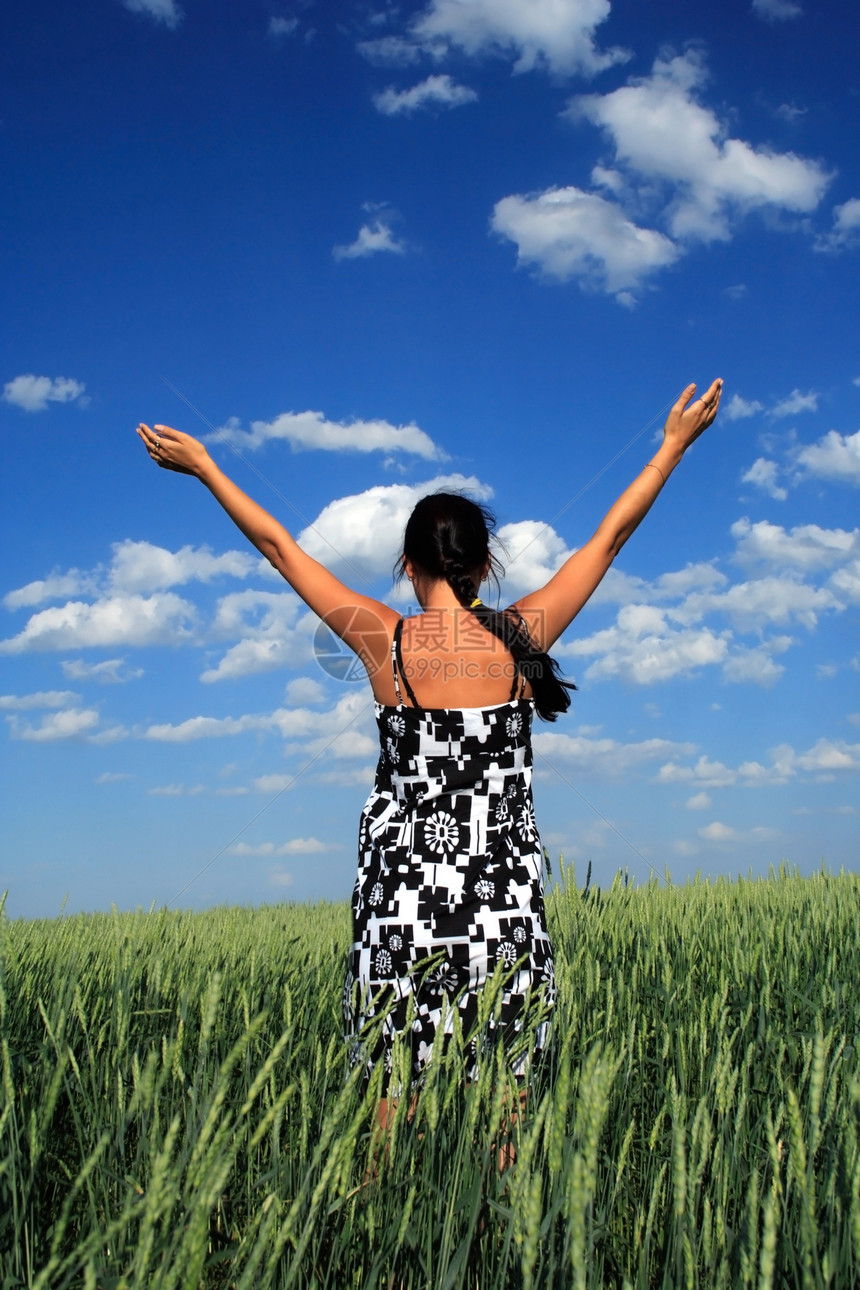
<point>268,624</point>
<point>834,456</point>
<point>764,473</point>
<point>755,604</point>
<point>283,27</point>
<point>109,672</point>
<point>58,725</point>
<point>710,774</point>
<point>40,699</point>
<point>604,758</point>
<point>805,547</point>
<point>34,393</point>
<point>306,431</point>
<point>116,620</point>
<point>390,51</point>
<point>281,878</point>
<point>252,656</point>
<point>756,665</point>
<point>643,647</point>
<point>846,228</point>
<point>717,832</point>
<point>110,735</point>
<point>824,759</point>
<point>737,408</point>
<point>370,525</point>
<point>789,112</point>
<point>796,402</point>
<point>163,11</point>
<point>531,552</point>
<point>569,233</point>
<point>662,133</point>
<point>827,755</point>
<point>623,588</point>
<point>291,723</point>
<point>112,777</point>
<point>373,237</point>
<point>137,567</point>
<point>698,802</point>
<point>347,745</point>
<point>206,728</point>
<point>54,587</point>
<point>295,847</point>
<point>273,783</point>
<point>846,582</point>
<point>304,689</point>
<point>142,567</point>
<point>776,10</point>
<point>435,91</point>
<point>685,848</point>
<point>257,613</point>
<point>556,34</point>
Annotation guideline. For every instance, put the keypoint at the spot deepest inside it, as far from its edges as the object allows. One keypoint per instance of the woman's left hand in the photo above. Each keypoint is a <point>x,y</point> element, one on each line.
<point>173,449</point>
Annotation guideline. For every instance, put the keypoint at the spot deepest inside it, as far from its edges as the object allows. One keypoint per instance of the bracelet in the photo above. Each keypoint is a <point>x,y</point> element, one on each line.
<point>657,468</point>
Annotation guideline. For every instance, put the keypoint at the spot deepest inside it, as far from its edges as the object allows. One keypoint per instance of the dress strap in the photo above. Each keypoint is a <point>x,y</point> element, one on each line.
<point>397,665</point>
<point>394,641</point>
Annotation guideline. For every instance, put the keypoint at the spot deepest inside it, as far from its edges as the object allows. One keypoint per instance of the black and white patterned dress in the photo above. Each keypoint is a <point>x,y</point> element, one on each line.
<point>449,870</point>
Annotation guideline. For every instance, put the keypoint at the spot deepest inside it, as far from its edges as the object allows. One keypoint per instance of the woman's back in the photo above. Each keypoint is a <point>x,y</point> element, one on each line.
<point>449,660</point>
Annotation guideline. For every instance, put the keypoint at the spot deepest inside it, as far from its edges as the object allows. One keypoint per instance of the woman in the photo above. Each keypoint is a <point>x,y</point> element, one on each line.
<point>449,882</point>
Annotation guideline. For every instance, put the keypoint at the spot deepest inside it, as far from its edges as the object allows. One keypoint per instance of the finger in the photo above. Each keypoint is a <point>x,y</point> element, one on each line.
<point>148,435</point>
<point>152,443</point>
<point>684,397</point>
<point>146,438</point>
<point>710,400</point>
<point>167,432</point>
<point>713,391</point>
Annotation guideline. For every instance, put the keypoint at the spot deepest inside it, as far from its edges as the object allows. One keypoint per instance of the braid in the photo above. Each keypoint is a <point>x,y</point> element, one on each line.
<point>550,691</point>
<point>448,536</point>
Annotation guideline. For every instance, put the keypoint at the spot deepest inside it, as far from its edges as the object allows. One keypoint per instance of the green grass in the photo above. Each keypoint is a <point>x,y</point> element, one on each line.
<point>174,1108</point>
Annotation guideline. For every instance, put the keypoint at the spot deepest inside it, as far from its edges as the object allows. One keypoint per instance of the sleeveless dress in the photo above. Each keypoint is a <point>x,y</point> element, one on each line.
<point>449,887</point>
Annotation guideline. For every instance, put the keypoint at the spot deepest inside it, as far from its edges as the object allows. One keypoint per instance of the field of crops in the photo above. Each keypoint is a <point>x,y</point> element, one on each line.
<point>174,1110</point>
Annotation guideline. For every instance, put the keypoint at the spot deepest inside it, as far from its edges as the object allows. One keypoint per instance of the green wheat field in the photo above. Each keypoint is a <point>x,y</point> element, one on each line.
<point>175,1110</point>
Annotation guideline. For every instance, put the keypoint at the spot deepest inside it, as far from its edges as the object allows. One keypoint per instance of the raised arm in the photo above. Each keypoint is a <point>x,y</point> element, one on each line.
<point>551,609</point>
<point>365,624</point>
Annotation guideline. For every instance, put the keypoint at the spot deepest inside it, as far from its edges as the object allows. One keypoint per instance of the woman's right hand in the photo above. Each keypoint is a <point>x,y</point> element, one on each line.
<point>687,420</point>
<point>173,449</point>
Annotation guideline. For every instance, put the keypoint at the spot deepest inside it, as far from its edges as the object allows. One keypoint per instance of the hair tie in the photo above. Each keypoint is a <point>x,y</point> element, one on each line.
<point>475,603</point>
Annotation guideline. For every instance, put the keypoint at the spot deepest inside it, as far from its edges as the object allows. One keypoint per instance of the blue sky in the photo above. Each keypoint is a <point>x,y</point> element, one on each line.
<point>377,248</point>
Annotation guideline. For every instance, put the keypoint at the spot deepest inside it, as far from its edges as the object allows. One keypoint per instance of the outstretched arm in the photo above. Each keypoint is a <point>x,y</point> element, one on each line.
<point>551,609</point>
<point>364,624</point>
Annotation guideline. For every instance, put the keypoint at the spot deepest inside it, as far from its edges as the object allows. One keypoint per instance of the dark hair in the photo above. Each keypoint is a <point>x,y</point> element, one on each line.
<point>448,536</point>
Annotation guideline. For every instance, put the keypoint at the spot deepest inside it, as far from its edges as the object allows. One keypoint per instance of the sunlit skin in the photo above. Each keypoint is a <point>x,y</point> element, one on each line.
<point>451,676</point>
